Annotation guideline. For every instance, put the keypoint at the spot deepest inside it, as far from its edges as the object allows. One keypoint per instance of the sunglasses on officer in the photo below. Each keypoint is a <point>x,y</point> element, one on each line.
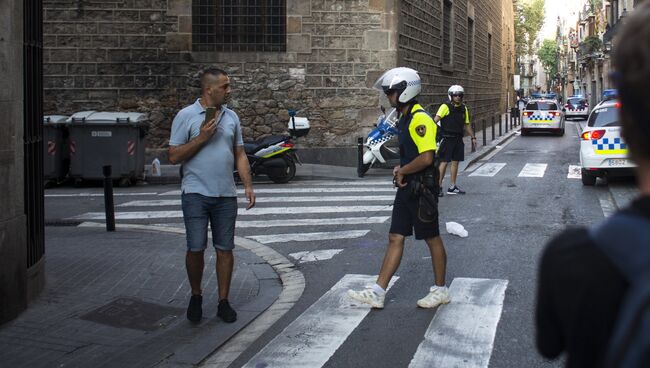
<point>457,95</point>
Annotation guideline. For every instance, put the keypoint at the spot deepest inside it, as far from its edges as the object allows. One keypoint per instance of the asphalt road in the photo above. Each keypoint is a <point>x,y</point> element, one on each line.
<point>509,218</point>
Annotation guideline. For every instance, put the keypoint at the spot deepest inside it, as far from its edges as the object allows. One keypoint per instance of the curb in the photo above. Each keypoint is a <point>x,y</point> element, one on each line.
<point>293,285</point>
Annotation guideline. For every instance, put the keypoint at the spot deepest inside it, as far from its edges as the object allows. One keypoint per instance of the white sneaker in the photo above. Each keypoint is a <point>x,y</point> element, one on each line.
<point>368,296</point>
<point>436,296</point>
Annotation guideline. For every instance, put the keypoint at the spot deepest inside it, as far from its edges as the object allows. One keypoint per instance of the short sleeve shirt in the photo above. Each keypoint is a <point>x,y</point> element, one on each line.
<point>444,111</point>
<point>422,130</point>
<point>210,171</point>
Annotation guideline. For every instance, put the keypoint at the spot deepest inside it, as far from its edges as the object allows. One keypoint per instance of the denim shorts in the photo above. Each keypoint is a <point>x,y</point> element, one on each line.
<point>221,212</point>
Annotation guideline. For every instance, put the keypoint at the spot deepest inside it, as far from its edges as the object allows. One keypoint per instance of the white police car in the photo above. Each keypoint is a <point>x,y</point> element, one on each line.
<point>602,149</point>
<point>542,115</point>
<point>576,107</point>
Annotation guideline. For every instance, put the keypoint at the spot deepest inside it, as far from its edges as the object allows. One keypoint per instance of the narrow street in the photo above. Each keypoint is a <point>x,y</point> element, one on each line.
<point>333,229</point>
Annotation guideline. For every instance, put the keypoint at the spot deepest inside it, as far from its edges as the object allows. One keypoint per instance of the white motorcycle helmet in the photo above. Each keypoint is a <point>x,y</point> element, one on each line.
<point>405,80</point>
<point>455,90</point>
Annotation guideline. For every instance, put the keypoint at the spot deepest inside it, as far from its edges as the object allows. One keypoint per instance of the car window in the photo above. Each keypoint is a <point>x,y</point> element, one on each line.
<point>577,101</point>
<point>541,106</point>
<point>604,117</point>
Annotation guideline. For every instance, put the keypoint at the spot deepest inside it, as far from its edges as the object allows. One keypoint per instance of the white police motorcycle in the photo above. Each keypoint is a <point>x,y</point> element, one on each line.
<point>375,145</point>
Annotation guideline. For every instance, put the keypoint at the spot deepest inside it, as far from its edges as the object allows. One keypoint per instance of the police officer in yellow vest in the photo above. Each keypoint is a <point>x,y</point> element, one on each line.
<point>454,119</point>
<point>416,205</point>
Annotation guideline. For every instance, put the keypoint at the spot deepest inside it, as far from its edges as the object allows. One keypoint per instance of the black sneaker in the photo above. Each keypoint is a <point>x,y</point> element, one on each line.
<point>194,310</point>
<point>455,190</point>
<point>225,312</point>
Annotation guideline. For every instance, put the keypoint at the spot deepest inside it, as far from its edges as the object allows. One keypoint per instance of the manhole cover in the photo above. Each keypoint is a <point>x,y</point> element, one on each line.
<point>133,313</point>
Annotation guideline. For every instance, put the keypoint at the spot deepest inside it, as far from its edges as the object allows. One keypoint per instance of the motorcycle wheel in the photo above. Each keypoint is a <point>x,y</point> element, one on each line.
<point>285,176</point>
<point>363,169</point>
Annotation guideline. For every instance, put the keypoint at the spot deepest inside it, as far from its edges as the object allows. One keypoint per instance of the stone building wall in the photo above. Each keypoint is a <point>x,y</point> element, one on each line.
<point>138,55</point>
<point>13,248</point>
<point>420,47</point>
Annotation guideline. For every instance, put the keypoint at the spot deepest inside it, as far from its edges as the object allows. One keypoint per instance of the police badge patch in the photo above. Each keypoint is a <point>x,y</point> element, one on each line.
<point>421,130</point>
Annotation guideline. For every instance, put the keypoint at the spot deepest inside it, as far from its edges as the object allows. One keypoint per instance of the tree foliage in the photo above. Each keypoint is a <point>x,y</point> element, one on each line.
<point>529,19</point>
<point>547,54</point>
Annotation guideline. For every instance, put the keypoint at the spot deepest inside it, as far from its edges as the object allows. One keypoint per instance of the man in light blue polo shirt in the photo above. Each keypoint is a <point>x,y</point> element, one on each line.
<point>208,153</point>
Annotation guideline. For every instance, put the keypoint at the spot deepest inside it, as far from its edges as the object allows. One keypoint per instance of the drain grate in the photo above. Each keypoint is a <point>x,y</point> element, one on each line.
<point>133,313</point>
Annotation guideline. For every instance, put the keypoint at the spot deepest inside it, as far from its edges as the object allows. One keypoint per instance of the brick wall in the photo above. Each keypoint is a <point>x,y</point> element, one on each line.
<point>420,47</point>
<point>137,55</point>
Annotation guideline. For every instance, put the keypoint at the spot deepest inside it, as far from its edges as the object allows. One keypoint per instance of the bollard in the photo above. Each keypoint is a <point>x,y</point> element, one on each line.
<point>492,127</point>
<point>500,131</point>
<point>108,199</point>
<point>512,122</point>
<point>360,156</point>
<point>505,120</point>
<point>484,135</point>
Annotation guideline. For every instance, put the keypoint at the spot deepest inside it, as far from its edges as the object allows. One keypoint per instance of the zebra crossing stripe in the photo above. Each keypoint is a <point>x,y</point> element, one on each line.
<point>63,195</point>
<point>488,169</point>
<point>177,202</point>
<point>305,237</point>
<point>317,255</point>
<point>347,183</point>
<point>314,222</point>
<point>533,171</point>
<point>462,332</point>
<point>137,215</point>
<point>574,172</point>
<point>312,338</point>
<point>382,189</point>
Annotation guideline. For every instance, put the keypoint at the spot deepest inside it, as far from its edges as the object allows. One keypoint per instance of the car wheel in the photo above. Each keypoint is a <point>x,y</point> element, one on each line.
<point>587,179</point>
<point>561,133</point>
<point>524,131</point>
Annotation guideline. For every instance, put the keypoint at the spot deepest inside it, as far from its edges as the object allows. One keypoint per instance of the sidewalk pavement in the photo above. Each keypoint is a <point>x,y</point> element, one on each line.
<point>170,173</point>
<point>118,299</point>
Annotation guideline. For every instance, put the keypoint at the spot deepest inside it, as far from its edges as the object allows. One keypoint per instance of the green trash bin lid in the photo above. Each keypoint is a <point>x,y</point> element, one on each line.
<point>55,119</point>
<point>108,118</point>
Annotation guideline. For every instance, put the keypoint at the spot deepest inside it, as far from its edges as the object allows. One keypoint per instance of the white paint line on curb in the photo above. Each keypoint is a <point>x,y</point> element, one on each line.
<point>462,332</point>
<point>306,237</point>
<point>312,338</point>
<point>533,171</point>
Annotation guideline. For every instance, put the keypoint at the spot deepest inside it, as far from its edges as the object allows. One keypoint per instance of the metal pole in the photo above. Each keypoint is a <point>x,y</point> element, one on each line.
<point>359,156</point>
<point>484,135</point>
<point>108,198</point>
<point>492,127</point>
<point>505,120</point>
<point>500,129</point>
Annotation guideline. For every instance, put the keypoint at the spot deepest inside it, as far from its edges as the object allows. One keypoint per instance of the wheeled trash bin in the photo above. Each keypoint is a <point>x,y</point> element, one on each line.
<point>107,138</point>
<point>56,157</point>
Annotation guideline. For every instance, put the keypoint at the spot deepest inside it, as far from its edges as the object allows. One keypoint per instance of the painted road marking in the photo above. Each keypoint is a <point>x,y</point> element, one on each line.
<point>241,212</point>
<point>488,169</point>
<point>312,338</point>
<point>177,202</point>
<point>288,222</point>
<point>533,171</point>
<point>574,172</point>
<point>317,255</point>
<point>56,195</point>
<point>462,332</point>
<point>365,189</point>
<point>303,237</point>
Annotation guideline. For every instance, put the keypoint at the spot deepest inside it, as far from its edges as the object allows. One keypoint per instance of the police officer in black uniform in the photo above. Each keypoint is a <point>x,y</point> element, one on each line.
<point>454,120</point>
<point>416,206</point>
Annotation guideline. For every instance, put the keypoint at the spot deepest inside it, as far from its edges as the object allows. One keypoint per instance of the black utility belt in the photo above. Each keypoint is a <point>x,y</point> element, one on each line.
<point>452,136</point>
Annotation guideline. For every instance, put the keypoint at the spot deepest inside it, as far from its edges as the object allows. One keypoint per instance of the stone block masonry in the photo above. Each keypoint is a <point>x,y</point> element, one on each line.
<point>140,55</point>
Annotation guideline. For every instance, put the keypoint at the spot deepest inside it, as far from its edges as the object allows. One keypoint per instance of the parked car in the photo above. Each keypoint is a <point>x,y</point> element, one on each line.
<point>576,107</point>
<point>603,151</point>
<point>542,115</point>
